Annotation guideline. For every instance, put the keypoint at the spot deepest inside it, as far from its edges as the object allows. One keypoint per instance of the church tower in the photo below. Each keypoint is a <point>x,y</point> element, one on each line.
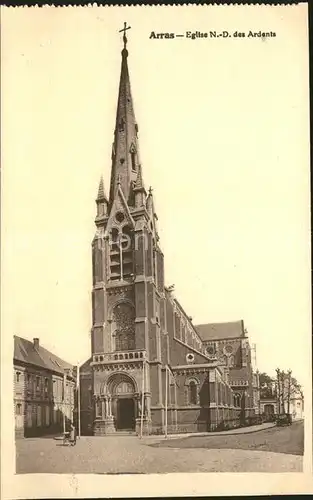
<point>150,369</point>
<point>128,283</point>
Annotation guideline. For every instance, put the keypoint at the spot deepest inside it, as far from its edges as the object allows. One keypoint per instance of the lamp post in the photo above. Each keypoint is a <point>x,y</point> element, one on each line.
<point>78,401</point>
<point>64,382</point>
<point>283,382</point>
<point>142,397</point>
<point>289,391</point>
<point>66,372</point>
<point>278,390</point>
<point>166,397</point>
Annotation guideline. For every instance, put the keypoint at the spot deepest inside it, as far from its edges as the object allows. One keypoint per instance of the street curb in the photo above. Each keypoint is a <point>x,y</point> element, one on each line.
<point>230,433</point>
<point>162,438</point>
<point>249,430</point>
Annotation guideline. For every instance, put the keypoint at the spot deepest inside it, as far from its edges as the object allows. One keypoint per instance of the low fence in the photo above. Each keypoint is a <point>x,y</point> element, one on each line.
<point>225,425</point>
<point>268,417</point>
<point>235,423</point>
<point>253,420</point>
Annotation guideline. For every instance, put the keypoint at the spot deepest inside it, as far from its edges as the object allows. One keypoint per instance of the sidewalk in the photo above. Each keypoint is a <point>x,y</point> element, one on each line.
<point>161,437</point>
<point>239,430</point>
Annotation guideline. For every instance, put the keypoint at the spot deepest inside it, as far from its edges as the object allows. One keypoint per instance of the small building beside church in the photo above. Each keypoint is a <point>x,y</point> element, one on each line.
<point>296,406</point>
<point>44,389</point>
<point>290,401</point>
<point>269,407</point>
<point>150,367</point>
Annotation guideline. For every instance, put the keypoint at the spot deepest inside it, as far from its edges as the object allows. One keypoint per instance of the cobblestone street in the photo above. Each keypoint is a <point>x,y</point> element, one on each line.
<point>288,440</point>
<point>129,454</point>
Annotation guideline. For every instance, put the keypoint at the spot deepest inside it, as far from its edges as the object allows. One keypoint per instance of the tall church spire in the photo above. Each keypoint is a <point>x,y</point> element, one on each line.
<point>125,158</point>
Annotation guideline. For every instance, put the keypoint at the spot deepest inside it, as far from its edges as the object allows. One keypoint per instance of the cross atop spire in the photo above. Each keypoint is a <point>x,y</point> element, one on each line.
<point>124,34</point>
<point>125,157</point>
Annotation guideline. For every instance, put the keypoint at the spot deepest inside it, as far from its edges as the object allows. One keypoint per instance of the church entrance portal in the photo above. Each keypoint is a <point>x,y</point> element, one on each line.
<point>124,407</point>
<point>125,414</point>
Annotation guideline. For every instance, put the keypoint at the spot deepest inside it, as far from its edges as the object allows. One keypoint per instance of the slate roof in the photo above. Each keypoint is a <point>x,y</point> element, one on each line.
<point>218,331</point>
<point>239,373</point>
<point>26,352</point>
<point>188,318</point>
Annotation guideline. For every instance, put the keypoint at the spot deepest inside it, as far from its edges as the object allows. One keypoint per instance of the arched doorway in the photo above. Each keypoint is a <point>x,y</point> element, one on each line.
<point>124,402</point>
<point>269,409</point>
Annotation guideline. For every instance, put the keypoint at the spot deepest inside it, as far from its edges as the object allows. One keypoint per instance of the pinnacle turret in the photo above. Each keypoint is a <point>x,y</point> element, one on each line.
<point>101,193</point>
<point>102,201</point>
<point>139,190</point>
<point>149,203</point>
<point>139,181</point>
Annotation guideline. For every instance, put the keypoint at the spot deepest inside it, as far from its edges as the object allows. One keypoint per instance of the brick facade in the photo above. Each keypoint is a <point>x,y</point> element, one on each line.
<point>146,354</point>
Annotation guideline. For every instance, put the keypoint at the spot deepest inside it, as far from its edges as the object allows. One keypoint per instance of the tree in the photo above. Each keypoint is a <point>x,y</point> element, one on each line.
<point>286,387</point>
<point>280,390</point>
<point>293,389</point>
<point>267,386</point>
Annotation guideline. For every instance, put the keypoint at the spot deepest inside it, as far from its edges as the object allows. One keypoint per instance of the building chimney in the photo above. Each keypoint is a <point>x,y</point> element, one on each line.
<point>36,343</point>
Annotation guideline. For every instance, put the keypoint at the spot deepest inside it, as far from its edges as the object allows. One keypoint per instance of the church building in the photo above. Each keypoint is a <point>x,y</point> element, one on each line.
<point>151,369</point>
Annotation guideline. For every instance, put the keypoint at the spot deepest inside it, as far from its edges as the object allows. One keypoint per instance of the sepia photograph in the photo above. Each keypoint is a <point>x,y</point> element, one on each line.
<point>156,250</point>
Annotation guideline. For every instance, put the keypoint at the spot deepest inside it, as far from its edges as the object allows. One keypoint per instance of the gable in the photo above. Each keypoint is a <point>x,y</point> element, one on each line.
<point>120,213</point>
<point>179,353</point>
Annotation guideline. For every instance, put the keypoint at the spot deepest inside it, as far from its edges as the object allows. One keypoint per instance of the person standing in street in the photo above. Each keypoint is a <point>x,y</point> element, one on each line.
<point>73,435</point>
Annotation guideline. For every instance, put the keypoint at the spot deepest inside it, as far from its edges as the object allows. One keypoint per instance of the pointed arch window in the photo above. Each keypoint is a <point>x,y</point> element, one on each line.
<point>132,151</point>
<point>121,248</point>
<point>115,263</point>
<point>124,322</point>
<point>97,264</point>
<point>154,260</point>
<point>133,161</point>
<point>121,253</point>
<point>121,125</point>
<point>192,391</point>
<point>237,400</point>
<point>127,247</point>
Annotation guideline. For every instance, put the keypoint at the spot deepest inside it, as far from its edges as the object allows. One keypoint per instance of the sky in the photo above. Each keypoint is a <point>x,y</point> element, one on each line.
<point>224,142</point>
